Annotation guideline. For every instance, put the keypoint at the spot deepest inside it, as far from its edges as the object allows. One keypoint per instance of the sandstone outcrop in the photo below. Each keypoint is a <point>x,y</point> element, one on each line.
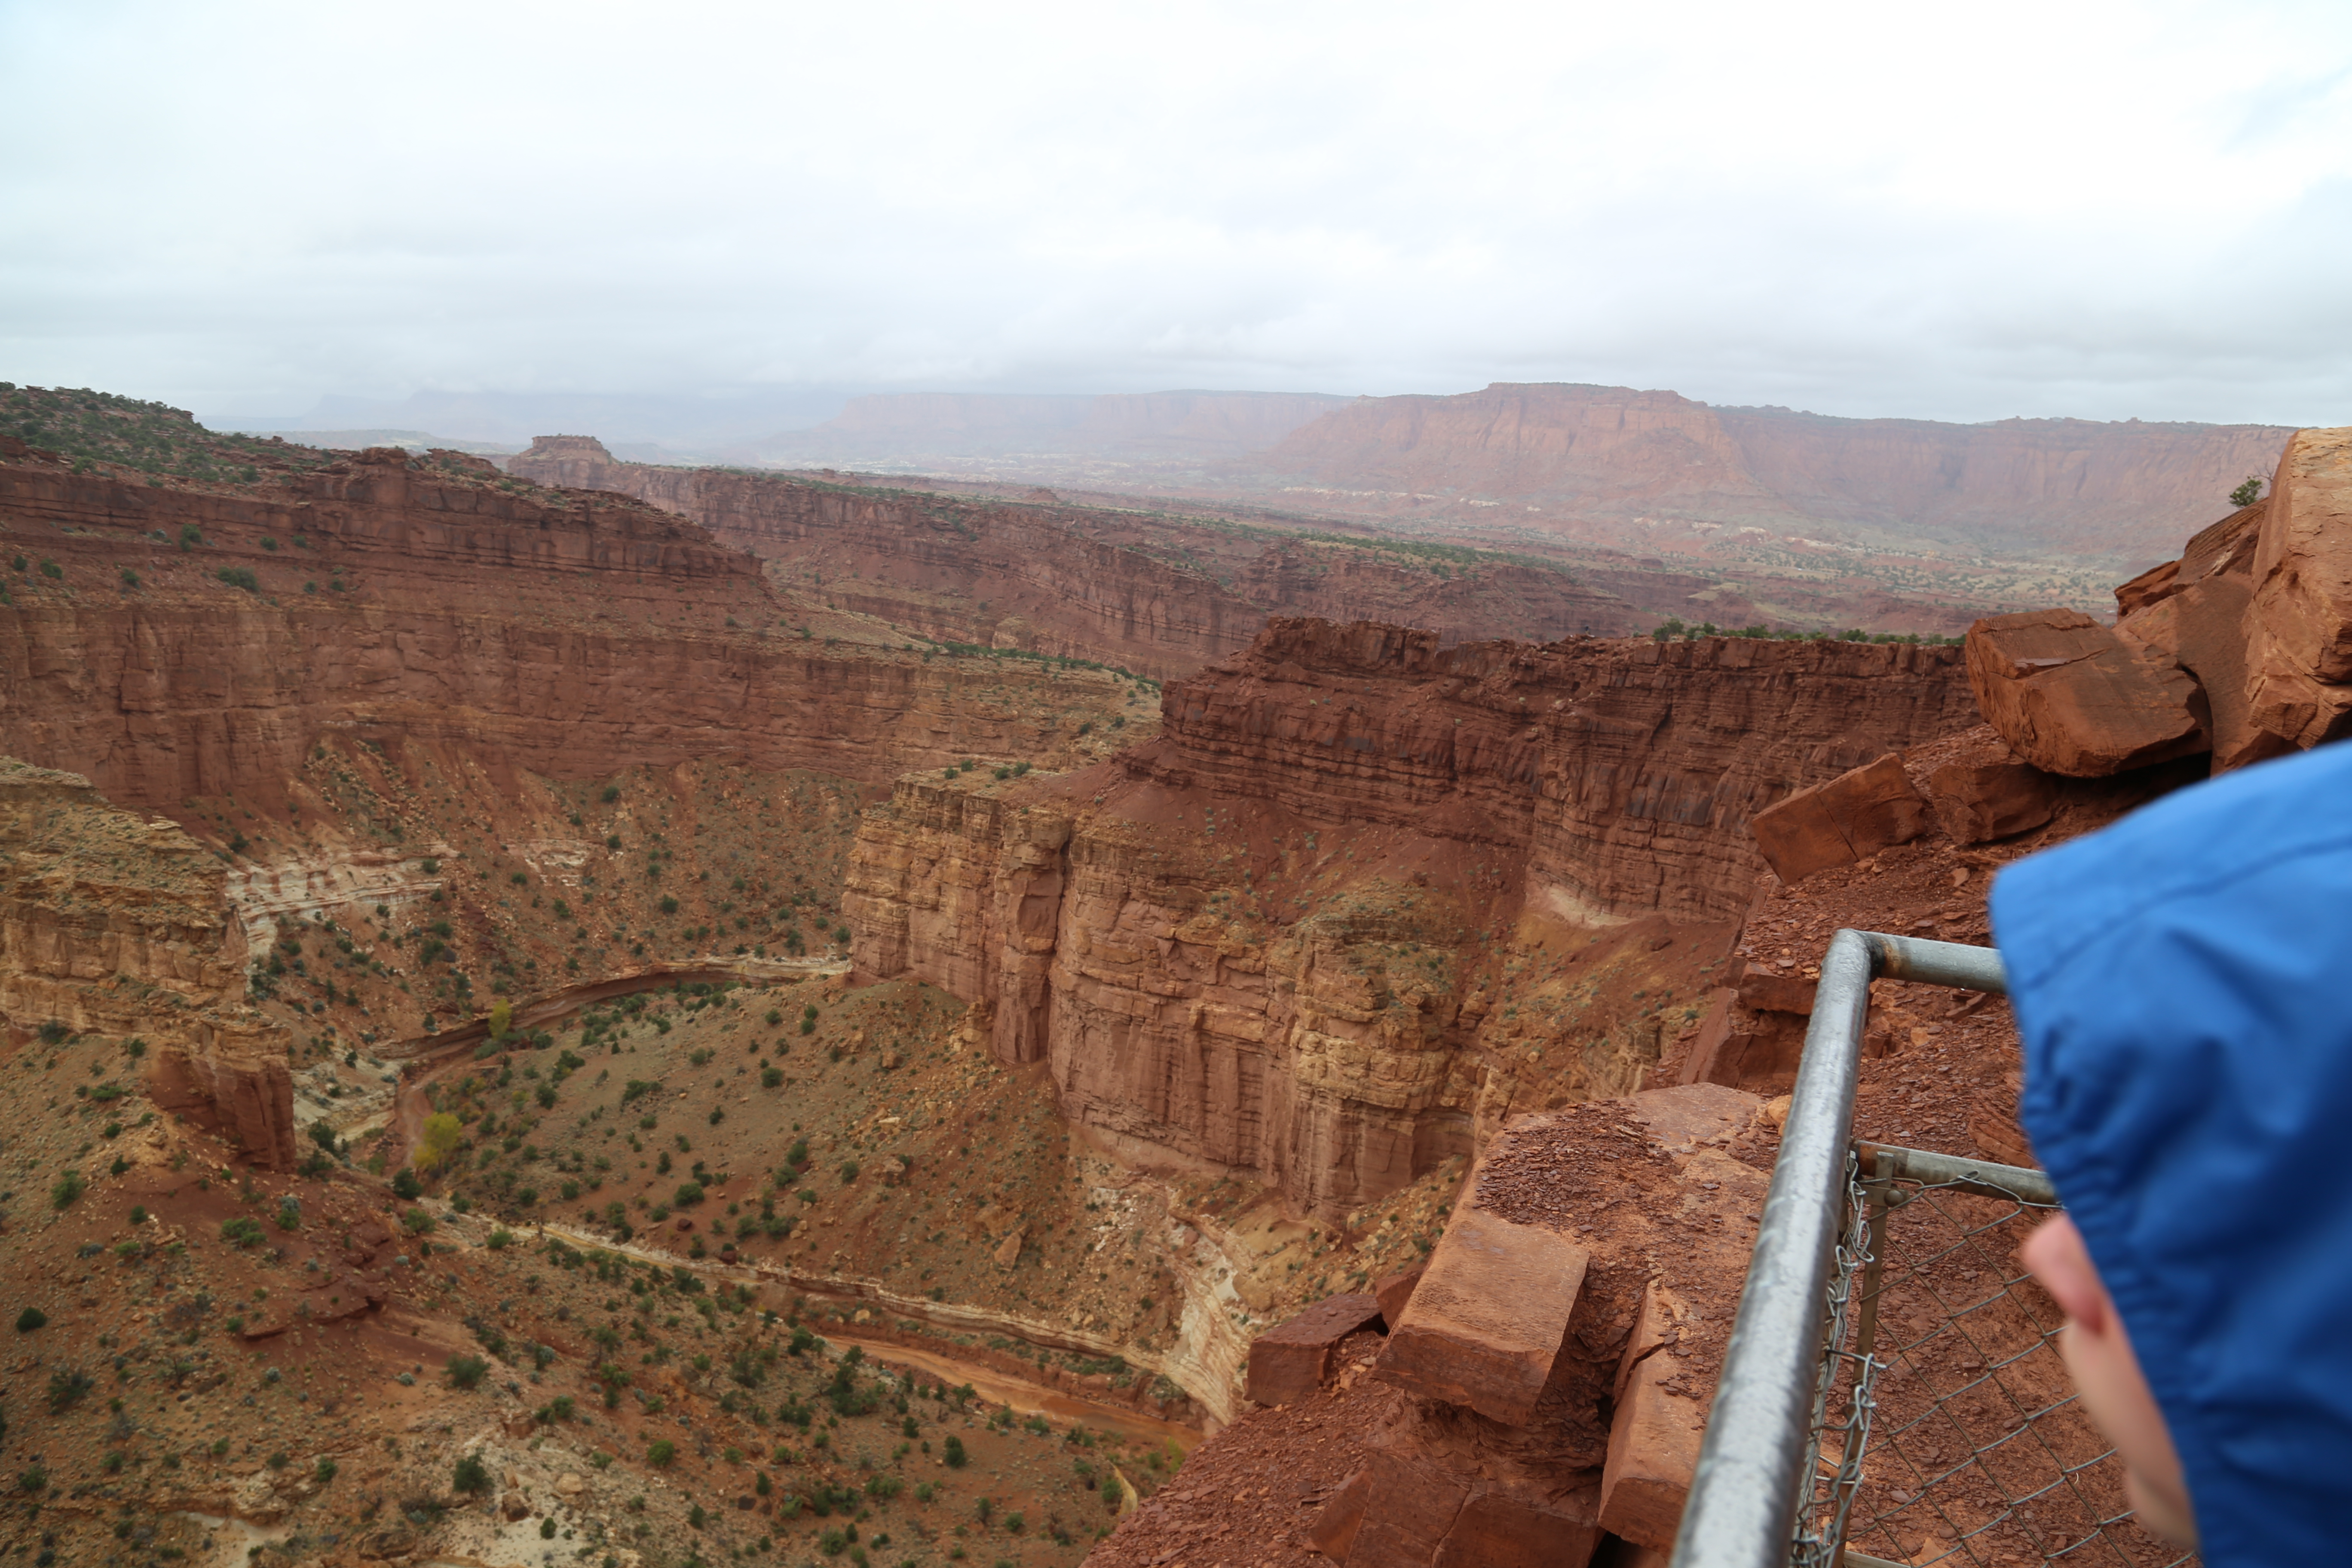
<point>1185,1004</point>
<point>2072,698</point>
<point>2299,652</point>
<point>198,644</point>
<point>1652,1197</point>
<point>2242,646</point>
<point>1160,596</point>
<point>114,923</point>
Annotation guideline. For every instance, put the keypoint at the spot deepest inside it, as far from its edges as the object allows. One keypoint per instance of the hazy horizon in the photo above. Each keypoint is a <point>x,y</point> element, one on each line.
<point>2104,210</point>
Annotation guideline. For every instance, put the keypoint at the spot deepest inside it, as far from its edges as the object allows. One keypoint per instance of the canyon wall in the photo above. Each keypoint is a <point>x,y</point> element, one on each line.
<point>1158,596</point>
<point>1265,941</point>
<point>197,644</point>
<point>2027,486</point>
<point>116,924</point>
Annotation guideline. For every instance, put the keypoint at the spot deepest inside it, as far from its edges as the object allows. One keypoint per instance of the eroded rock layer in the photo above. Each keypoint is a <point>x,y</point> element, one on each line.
<point>1160,596</point>
<point>1266,941</point>
<point>196,644</point>
<point>114,923</point>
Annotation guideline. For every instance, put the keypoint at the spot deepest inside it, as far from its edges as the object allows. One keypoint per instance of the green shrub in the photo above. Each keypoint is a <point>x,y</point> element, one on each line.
<point>689,1193</point>
<point>239,577</point>
<point>660,1452</point>
<point>956,1457</point>
<point>67,1388</point>
<point>31,1317</point>
<point>65,1189</point>
<point>243,1230</point>
<point>471,1475</point>
<point>466,1371</point>
<point>500,1238</point>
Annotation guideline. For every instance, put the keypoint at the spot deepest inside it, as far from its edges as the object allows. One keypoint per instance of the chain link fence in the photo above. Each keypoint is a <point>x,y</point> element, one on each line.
<point>1945,1430</point>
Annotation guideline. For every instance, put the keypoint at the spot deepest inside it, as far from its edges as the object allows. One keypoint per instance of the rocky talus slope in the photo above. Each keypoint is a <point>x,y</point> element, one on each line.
<point>1155,594</point>
<point>1272,939</point>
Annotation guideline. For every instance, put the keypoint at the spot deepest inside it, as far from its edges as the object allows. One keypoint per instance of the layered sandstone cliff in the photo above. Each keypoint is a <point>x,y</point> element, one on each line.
<point>1268,941</point>
<point>199,643</point>
<point>1158,596</point>
<point>116,924</point>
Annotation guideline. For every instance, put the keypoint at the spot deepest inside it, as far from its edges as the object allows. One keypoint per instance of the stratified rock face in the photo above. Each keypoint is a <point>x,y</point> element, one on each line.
<point>2018,484</point>
<point>112,922</point>
<point>572,634</point>
<point>1328,1050</point>
<point>1157,596</point>
<point>1622,775</point>
<point>2299,656</point>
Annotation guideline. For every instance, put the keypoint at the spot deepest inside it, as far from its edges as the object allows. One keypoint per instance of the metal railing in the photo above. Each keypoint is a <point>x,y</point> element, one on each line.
<point>1888,1386</point>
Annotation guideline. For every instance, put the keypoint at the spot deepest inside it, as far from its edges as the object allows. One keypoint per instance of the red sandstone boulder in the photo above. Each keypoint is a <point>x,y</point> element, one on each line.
<point>1763,990</point>
<point>1486,1322</point>
<point>2072,698</point>
<point>2299,656</point>
<point>1291,1361</point>
<point>1977,803</point>
<point>1856,813</point>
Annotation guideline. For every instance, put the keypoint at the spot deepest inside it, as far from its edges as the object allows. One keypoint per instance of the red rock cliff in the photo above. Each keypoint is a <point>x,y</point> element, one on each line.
<point>571,634</point>
<point>1160,596</point>
<point>111,922</point>
<point>1261,942</point>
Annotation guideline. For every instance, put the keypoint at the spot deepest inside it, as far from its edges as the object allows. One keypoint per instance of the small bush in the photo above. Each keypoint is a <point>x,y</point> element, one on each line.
<point>660,1452</point>
<point>31,1317</point>
<point>239,577</point>
<point>689,1193</point>
<point>471,1475</point>
<point>500,1238</point>
<point>956,1457</point>
<point>65,1189</point>
<point>466,1371</point>
<point>67,1388</point>
<point>243,1230</point>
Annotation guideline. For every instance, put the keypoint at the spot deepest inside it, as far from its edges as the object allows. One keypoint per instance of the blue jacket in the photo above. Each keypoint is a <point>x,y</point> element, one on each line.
<point>2183,984</point>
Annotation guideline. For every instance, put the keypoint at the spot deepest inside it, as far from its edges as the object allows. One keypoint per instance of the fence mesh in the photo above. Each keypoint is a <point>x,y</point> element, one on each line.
<point>1946,1430</point>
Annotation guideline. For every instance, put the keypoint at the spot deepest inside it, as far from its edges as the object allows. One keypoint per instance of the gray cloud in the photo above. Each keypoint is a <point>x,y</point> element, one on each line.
<point>2102,209</point>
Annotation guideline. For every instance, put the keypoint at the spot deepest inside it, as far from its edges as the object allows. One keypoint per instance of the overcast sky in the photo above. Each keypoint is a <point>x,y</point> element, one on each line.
<point>1951,212</point>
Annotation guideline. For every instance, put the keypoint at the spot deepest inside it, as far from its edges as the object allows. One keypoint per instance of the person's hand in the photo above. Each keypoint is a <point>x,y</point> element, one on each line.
<point>2098,1356</point>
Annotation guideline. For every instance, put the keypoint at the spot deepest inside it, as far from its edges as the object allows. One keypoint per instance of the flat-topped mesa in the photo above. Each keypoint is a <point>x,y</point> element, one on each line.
<point>197,643</point>
<point>1264,942</point>
<point>1156,594</point>
<point>115,923</point>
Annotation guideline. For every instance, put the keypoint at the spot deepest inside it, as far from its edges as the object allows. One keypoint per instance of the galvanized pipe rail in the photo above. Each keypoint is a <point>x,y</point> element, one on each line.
<point>1752,1464</point>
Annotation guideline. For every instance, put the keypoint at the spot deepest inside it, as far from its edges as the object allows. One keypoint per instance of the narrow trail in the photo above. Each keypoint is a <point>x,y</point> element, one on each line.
<point>999,1387</point>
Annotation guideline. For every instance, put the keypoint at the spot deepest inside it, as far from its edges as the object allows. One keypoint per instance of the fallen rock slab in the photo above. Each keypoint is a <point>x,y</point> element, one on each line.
<point>1486,1320</point>
<point>1977,803</point>
<point>1292,1361</point>
<point>1853,816</point>
<point>1654,1439</point>
<point>2071,697</point>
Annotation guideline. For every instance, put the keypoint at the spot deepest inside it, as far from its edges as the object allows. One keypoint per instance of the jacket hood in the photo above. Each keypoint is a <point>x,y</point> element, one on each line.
<point>2183,984</point>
